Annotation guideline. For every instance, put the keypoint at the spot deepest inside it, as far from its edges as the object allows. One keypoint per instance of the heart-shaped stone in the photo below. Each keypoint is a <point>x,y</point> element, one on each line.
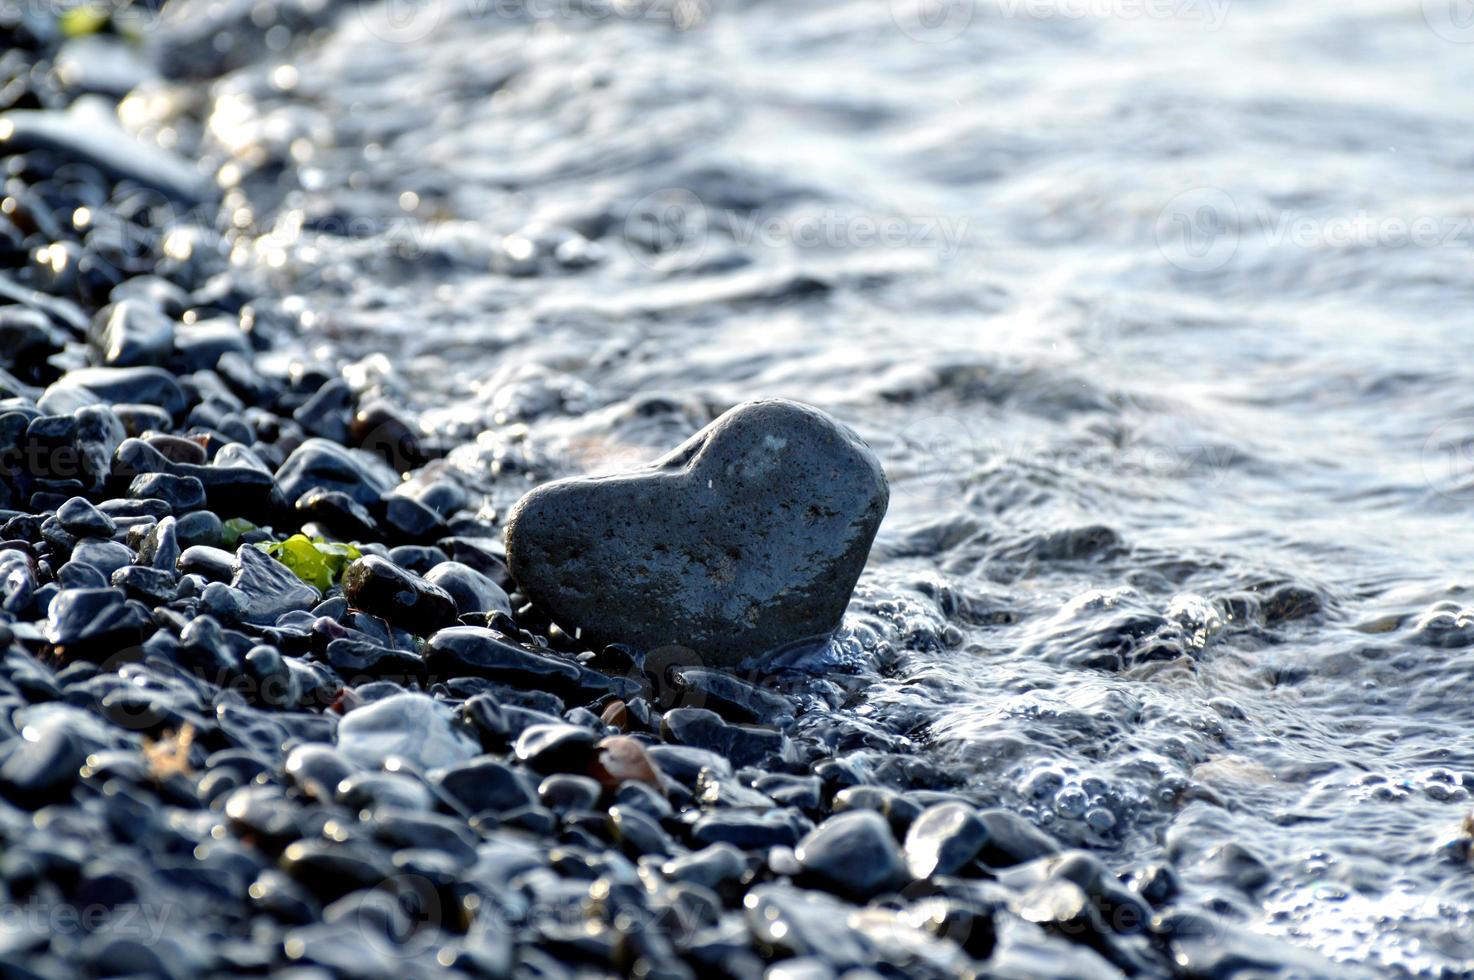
<point>746,539</point>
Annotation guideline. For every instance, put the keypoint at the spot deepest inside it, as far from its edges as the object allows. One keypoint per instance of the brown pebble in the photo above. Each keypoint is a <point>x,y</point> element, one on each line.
<point>177,449</point>
<point>623,759</point>
<point>344,701</point>
<point>616,714</point>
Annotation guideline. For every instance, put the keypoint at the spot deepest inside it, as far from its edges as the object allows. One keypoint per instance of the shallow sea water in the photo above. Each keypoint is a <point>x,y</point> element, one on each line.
<point>1154,311</point>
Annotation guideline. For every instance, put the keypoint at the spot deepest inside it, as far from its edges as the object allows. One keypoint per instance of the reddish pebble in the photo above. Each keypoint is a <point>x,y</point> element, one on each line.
<point>617,715</point>
<point>622,759</point>
<point>345,701</point>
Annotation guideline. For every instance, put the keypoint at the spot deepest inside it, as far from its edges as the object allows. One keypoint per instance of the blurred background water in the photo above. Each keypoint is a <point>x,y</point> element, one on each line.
<point>1155,309</point>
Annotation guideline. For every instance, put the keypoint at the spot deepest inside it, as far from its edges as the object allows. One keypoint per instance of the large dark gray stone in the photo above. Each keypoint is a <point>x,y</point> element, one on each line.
<point>747,538</point>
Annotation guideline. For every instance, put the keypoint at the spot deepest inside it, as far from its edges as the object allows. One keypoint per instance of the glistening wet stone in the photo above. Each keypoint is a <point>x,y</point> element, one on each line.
<point>751,829</point>
<point>854,855</point>
<point>146,385</point>
<point>742,745</point>
<point>794,922</point>
<point>77,516</point>
<point>411,726</point>
<point>943,839</point>
<point>132,333</point>
<point>42,768</point>
<point>378,586</point>
<point>94,623</point>
<point>555,748</point>
<point>472,591</point>
<point>485,784</point>
<point>181,493</point>
<point>320,464</point>
<point>480,652</point>
<point>268,587</point>
<point>746,539</point>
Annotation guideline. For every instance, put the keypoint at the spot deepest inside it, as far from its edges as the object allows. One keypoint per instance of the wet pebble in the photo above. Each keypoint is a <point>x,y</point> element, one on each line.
<point>132,333</point>
<point>750,829</point>
<point>1012,839</point>
<point>794,922</point>
<point>555,747</point>
<point>78,517</point>
<point>410,726</point>
<point>93,623</point>
<point>181,493</point>
<point>486,785</point>
<point>151,585</point>
<point>475,651</point>
<point>215,564</point>
<point>129,385</point>
<point>743,745</point>
<point>638,834</point>
<point>853,855</point>
<point>322,465</point>
<point>620,759</point>
<point>565,791</point>
<point>104,555</point>
<point>42,766</point>
<point>356,660</point>
<point>405,599</point>
<point>732,698</point>
<point>944,839</point>
<point>471,591</point>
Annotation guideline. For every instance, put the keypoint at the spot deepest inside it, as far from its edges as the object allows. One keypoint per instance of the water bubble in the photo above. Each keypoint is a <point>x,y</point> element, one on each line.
<point>1041,783</point>
<point>1070,802</point>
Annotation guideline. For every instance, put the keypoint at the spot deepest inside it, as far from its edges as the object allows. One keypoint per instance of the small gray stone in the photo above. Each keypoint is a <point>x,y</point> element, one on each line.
<point>412,726</point>
<point>472,591</point>
<point>132,333</point>
<point>853,855</point>
<point>320,464</point>
<point>1012,839</point>
<point>746,539</point>
<point>270,588</point>
<point>945,838</point>
<point>381,588</point>
<point>104,555</point>
<point>799,923</point>
<point>77,516</point>
<point>146,385</point>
